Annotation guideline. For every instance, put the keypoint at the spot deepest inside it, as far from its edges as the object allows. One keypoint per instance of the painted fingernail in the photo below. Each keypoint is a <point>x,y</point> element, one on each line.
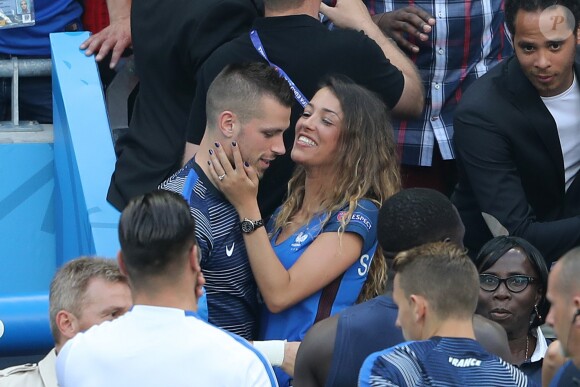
<point>246,164</point>
<point>217,144</point>
<point>208,162</point>
<point>234,143</point>
<point>210,152</point>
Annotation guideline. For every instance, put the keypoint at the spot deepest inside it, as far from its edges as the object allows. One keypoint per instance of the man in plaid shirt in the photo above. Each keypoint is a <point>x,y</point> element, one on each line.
<point>452,44</point>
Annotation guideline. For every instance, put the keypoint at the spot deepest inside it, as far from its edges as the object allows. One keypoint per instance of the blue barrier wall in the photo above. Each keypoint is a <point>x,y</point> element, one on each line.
<point>27,245</point>
<point>55,209</point>
<point>83,154</point>
<point>27,230</point>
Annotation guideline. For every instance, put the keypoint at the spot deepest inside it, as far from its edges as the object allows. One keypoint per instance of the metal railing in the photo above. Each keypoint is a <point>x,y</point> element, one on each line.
<point>15,68</point>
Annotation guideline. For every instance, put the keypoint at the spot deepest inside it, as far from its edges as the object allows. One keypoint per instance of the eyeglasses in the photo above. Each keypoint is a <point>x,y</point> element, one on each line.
<point>515,283</point>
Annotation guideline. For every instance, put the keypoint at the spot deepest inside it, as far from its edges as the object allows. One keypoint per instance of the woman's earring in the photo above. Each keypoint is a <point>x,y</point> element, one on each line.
<point>537,312</point>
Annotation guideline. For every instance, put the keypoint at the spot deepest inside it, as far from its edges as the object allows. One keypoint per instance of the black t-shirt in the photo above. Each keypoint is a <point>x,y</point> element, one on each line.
<point>171,40</point>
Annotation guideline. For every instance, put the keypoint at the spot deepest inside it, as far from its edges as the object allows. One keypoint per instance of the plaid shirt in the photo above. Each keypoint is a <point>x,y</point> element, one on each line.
<point>468,39</point>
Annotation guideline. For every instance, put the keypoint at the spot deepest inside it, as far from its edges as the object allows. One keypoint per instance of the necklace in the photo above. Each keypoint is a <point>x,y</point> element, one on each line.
<point>527,346</point>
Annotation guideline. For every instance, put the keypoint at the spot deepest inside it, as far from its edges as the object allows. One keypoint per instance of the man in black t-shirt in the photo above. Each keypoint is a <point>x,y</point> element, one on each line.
<point>170,43</point>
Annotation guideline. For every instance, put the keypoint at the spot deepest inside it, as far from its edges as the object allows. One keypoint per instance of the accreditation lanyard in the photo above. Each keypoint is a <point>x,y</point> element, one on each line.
<point>302,100</point>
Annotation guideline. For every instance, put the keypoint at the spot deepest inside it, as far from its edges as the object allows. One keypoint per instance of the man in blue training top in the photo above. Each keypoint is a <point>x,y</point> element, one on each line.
<point>248,106</point>
<point>437,308</point>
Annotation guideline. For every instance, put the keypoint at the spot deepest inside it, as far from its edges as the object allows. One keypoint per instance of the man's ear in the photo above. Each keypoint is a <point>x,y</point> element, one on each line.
<point>227,122</point>
<point>418,305</point>
<point>67,324</point>
<point>194,258</point>
<point>121,263</point>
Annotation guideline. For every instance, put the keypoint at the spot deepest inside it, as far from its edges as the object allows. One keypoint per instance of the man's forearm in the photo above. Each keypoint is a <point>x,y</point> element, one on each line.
<point>412,100</point>
<point>119,9</point>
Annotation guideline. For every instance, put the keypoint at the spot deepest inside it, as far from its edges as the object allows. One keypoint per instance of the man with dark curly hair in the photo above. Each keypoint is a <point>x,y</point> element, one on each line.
<point>516,136</point>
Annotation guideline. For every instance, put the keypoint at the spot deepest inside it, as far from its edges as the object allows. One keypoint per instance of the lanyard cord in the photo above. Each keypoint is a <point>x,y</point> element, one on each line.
<point>302,100</point>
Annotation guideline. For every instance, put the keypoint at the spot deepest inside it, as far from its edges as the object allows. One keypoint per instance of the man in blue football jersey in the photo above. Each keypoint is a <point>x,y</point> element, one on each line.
<point>248,106</point>
<point>436,307</point>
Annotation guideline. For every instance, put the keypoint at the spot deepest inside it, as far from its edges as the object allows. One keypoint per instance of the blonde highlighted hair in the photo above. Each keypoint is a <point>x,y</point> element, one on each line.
<point>366,167</point>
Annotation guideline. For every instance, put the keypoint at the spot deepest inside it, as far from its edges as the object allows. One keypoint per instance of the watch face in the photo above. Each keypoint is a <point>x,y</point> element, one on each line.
<point>247,226</point>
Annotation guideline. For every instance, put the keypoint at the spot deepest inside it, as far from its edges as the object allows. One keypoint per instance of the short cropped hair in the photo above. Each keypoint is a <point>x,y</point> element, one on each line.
<point>443,274</point>
<point>497,247</point>
<point>239,88</point>
<point>416,216</point>
<point>156,231</point>
<point>513,6</point>
<point>569,272</point>
<point>69,285</point>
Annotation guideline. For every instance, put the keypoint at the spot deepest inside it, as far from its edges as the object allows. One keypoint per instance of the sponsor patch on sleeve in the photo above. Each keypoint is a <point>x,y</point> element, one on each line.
<point>357,217</point>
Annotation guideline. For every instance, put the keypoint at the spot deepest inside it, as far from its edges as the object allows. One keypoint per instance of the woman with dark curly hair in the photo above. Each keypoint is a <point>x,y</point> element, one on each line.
<point>513,281</point>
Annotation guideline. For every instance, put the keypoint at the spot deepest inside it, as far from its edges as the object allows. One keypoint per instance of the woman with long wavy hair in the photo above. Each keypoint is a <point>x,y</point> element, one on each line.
<point>315,256</point>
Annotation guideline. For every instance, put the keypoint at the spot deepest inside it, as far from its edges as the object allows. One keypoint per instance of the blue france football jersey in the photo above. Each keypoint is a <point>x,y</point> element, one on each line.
<point>293,323</point>
<point>230,287</point>
<point>439,361</point>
